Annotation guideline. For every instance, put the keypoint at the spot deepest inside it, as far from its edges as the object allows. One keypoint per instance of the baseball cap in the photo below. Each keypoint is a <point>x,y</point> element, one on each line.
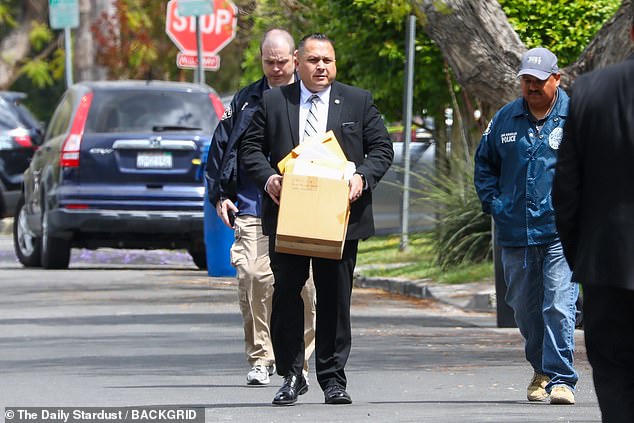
<point>538,62</point>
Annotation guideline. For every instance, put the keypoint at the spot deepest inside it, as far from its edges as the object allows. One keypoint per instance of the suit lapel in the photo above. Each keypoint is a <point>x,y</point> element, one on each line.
<point>292,107</point>
<point>335,107</point>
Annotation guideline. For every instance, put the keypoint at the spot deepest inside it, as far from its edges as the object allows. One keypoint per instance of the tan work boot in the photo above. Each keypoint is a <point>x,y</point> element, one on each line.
<point>562,394</point>
<point>536,390</point>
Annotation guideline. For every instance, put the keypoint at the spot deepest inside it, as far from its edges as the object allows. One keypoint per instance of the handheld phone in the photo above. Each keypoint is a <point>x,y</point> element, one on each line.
<point>232,217</point>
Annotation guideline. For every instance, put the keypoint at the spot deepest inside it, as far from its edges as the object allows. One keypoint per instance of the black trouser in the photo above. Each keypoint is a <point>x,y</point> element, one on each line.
<point>609,334</point>
<point>333,337</point>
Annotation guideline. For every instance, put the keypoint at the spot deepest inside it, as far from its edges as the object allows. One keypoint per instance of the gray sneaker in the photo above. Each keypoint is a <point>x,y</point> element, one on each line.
<point>258,375</point>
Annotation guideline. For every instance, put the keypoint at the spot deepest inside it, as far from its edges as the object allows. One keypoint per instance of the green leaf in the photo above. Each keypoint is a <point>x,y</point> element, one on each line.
<point>563,26</point>
<point>40,36</point>
<point>38,71</point>
<point>6,18</point>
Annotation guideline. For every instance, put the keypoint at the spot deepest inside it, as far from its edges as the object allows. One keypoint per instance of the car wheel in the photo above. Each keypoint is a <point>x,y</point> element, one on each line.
<point>55,251</point>
<point>26,244</point>
<point>199,257</point>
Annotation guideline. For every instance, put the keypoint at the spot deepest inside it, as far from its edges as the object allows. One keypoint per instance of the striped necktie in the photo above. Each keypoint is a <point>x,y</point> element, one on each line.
<point>310,128</point>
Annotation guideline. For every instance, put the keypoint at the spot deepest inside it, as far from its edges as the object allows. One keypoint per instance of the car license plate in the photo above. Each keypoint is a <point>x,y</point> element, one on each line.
<point>154,160</point>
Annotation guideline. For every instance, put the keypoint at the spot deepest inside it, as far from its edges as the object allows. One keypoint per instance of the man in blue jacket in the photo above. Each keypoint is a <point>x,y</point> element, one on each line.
<point>514,169</point>
<point>235,196</point>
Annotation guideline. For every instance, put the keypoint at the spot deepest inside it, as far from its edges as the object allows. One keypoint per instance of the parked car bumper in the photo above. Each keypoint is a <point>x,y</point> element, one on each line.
<point>138,229</point>
<point>62,222</point>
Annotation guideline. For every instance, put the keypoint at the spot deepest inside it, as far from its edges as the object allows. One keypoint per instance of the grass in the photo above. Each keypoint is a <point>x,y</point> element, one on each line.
<point>380,256</point>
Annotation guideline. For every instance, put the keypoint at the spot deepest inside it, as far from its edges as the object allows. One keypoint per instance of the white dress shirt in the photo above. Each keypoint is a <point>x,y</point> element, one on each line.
<point>322,109</point>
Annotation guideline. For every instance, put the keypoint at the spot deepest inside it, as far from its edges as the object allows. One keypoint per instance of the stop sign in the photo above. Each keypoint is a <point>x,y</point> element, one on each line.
<point>217,30</point>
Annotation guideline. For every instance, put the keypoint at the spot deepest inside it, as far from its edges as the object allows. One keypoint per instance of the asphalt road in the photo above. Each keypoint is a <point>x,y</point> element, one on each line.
<point>130,328</point>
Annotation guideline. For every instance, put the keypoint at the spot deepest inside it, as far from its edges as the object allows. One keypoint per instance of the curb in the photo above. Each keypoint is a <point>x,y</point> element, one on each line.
<point>475,296</point>
<point>409,288</point>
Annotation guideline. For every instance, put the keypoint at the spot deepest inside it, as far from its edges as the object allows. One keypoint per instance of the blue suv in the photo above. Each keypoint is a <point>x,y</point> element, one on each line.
<point>119,167</point>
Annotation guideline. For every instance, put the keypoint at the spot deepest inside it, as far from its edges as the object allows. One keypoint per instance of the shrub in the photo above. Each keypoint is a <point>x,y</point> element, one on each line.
<point>463,230</point>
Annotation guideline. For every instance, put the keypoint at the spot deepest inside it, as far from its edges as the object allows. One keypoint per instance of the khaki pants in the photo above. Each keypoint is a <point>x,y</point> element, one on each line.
<point>250,257</point>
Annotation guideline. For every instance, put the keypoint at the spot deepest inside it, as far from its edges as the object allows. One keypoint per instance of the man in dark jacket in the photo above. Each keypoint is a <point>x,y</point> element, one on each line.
<point>237,197</point>
<point>277,127</point>
<point>593,195</point>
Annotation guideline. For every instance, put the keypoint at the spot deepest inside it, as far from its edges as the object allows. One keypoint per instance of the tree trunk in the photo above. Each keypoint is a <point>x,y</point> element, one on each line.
<point>84,60</point>
<point>484,51</point>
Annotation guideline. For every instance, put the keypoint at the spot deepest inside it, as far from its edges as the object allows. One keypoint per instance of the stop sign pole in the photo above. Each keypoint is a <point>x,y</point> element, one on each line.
<point>199,53</point>
<point>197,8</point>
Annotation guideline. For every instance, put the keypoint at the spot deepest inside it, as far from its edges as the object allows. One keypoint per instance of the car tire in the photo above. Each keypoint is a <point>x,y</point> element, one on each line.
<point>200,258</point>
<point>26,244</point>
<point>55,251</point>
<point>3,212</point>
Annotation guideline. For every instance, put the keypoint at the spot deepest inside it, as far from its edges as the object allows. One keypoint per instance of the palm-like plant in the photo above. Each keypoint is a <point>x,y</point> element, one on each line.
<point>463,231</point>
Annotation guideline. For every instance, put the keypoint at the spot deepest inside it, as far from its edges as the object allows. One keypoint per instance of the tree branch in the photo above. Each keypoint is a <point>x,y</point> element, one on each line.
<point>15,47</point>
<point>611,44</point>
<point>58,42</point>
<point>484,50</point>
<point>473,34</point>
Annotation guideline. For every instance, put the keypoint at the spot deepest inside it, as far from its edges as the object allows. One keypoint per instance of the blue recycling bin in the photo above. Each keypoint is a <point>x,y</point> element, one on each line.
<point>218,237</point>
<point>218,240</point>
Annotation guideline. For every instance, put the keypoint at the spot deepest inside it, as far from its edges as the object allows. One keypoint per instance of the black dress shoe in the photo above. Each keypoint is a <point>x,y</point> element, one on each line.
<point>335,394</point>
<point>292,387</point>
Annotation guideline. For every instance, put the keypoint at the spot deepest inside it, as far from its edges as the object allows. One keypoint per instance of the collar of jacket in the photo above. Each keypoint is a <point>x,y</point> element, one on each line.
<point>560,108</point>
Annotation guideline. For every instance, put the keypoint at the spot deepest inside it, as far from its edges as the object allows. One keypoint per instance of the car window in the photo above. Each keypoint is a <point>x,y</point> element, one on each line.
<point>60,121</point>
<point>26,117</point>
<point>7,119</point>
<point>146,110</point>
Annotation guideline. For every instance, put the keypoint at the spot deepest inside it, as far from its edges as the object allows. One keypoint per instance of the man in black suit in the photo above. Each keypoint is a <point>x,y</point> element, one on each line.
<point>276,128</point>
<point>593,195</point>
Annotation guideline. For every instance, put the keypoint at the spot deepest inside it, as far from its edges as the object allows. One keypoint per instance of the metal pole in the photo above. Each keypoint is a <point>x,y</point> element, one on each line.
<point>407,126</point>
<point>505,314</point>
<point>200,79</point>
<point>68,53</point>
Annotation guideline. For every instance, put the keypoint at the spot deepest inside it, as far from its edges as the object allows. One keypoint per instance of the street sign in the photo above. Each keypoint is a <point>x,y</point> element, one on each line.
<point>217,29</point>
<point>195,7</point>
<point>63,13</point>
<point>190,61</point>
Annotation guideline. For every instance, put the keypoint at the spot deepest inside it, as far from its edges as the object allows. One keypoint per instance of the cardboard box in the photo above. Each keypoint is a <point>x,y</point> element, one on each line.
<point>325,147</point>
<point>313,216</point>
